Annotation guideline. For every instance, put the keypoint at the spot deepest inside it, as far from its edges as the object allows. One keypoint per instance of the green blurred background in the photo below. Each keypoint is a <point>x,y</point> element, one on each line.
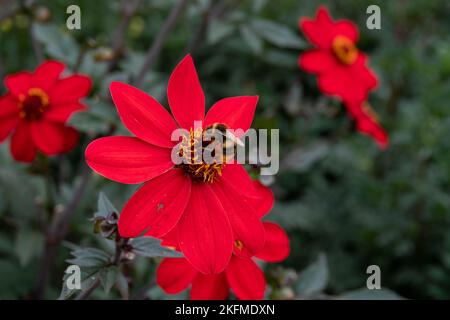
<point>345,204</point>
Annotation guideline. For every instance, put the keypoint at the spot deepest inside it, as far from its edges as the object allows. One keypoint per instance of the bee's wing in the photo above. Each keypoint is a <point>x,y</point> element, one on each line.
<point>233,138</point>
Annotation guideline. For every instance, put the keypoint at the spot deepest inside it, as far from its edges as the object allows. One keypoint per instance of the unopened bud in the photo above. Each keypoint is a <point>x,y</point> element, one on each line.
<point>286,293</point>
<point>59,208</point>
<point>128,255</point>
<point>42,14</point>
<point>91,42</point>
<point>103,54</point>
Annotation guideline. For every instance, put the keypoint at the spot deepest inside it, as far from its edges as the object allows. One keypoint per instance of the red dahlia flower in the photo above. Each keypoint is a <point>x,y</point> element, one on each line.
<point>205,202</point>
<point>36,107</point>
<point>367,122</point>
<point>242,274</point>
<point>340,67</point>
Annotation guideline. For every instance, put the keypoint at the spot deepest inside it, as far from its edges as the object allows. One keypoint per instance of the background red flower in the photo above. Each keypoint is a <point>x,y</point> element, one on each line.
<point>367,122</point>
<point>341,68</point>
<point>242,274</point>
<point>36,107</point>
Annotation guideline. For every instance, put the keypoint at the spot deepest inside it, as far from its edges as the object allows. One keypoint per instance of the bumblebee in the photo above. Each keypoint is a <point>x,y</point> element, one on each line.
<point>230,141</point>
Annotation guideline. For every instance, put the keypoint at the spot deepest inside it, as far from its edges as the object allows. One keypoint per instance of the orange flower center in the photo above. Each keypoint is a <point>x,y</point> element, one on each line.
<point>192,149</point>
<point>238,244</point>
<point>33,105</point>
<point>345,50</point>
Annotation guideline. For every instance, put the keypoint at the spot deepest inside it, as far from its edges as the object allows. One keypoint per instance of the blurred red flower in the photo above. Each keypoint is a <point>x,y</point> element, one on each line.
<point>367,122</point>
<point>340,67</point>
<point>205,202</point>
<point>242,274</point>
<point>36,107</point>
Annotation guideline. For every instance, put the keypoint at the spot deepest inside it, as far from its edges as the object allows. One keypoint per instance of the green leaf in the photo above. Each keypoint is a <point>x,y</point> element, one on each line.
<point>105,207</point>
<point>251,39</point>
<point>156,293</point>
<point>258,5</point>
<point>14,185</point>
<point>314,278</point>
<point>16,281</point>
<point>277,34</point>
<point>96,120</point>
<point>302,158</point>
<point>28,244</point>
<point>87,280</point>
<point>57,44</point>
<point>122,286</point>
<point>293,214</point>
<point>92,67</point>
<point>151,247</point>
<point>108,277</point>
<point>293,100</point>
<point>366,294</point>
<point>6,245</point>
<point>218,30</point>
<point>280,58</point>
<point>89,258</point>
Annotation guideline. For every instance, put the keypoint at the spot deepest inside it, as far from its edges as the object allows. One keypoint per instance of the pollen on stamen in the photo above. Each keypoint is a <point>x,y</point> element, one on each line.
<point>238,244</point>
<point>191,150</point>
<point>345,50</point>
<point>33,104</point>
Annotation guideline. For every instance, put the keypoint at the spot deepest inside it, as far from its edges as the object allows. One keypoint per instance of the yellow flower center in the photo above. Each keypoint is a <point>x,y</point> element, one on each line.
<point>345,50</point>
<point>191,149</point>
<point>33,104</point>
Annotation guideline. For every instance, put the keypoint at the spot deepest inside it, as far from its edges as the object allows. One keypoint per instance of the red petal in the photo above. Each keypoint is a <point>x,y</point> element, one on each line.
<point>317,61</point>
<point>235,112</point>
<point>210,287</point>
<point>175,275</point>
<point>170,239</point>
<point>143,115</point>
<point>18,83</point>
<point>22,145</point>
<point>246,279</point>
<point>157,206</point>
<point>363,73</point>
<point>70,89</point>
<point>235,176</point>
<point>345,28</point>
<point>263,204</point>
<point>47,74</point>
<point>246,225</point>
<point>375,131</point>
<point>127,159</point>
<point>204,231</point>
<point>52,137</point>
<point>323,29</point>
<point>351,83</point>
<point>61,113</point>
<point>8,106</point>
<point>318,30</point>
<point>367,125</point>
<point>185,94</point>
<point>9,115</point>
<point>7,124</point>
<point>276,248</point>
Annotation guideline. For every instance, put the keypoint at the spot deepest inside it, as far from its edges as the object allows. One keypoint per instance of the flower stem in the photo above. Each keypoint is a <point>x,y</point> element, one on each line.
<point>88,291</point>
